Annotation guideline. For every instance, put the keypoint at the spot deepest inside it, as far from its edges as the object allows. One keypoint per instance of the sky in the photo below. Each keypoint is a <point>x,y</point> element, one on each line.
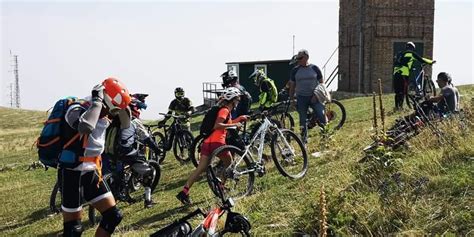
<point>64,48</point>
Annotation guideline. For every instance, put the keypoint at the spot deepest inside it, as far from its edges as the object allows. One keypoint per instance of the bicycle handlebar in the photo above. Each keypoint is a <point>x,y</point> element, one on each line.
<point>175,116</point>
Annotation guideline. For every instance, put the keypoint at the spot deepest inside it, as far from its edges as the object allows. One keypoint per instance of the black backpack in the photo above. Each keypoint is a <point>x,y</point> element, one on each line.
<point>207,125</point>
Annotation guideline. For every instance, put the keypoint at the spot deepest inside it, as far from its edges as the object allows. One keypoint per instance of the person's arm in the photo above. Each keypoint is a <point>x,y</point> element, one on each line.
<point>222,116</point>
<point>421,59</point>
<point>88,120</point>
<point>292,82</point>
<point>319,75</point>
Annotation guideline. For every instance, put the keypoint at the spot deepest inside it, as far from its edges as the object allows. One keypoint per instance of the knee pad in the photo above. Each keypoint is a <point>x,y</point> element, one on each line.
<point>111,218</point>
<point>72,228</point>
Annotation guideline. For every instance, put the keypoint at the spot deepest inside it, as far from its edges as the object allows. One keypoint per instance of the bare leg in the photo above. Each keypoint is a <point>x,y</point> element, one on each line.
<point>203,163</point>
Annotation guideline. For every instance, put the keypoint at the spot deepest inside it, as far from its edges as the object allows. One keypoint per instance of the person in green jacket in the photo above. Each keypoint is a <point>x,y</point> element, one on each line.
<point>401,72</point>
<point>268,91</point>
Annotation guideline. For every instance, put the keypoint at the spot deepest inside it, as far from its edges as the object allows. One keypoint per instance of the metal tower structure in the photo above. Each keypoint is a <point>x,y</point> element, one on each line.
<point>16,90</point>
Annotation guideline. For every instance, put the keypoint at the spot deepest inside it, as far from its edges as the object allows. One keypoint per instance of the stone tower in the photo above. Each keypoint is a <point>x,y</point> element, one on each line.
<point>372,32</point>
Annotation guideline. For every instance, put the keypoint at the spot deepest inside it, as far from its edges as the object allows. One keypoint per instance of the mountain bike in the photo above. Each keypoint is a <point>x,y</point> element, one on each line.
<point>422,85</point>
<point>130,175</point>
<point>175,136</point>
<point>287,151</point>
<point>235,222</point>
<point>334,111</point>
<point>55,202</point>
<point>149,153</point>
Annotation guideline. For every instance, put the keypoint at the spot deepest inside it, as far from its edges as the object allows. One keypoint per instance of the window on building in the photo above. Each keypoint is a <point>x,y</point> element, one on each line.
<point>233,67</point>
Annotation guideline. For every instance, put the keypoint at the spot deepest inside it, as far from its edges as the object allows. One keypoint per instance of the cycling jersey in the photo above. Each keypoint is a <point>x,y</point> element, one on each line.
<point>180,107</point>
<point>405,61</point>
<point>268,93</point>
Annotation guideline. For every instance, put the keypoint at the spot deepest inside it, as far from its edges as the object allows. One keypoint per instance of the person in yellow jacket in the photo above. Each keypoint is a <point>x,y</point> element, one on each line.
<point>268,91</point>
<point>401,72</point>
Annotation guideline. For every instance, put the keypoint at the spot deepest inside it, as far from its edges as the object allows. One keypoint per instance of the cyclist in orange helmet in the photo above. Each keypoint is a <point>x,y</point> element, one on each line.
<point>80,164</point>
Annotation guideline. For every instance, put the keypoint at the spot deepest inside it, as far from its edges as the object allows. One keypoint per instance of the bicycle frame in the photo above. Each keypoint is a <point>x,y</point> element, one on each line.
<point>260,134</point>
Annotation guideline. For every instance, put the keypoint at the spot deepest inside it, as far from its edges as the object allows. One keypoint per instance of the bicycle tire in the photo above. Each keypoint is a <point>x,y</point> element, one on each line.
<point>243,166</point>
<point>281,163</point>
<point>287,121</point>
<point>195,150</point>
<point>331,115</point>
<point>186,137</point>
<point>156,179</point>
<point>159,138</point>
<point>53,206</point>
<point>429,88</point>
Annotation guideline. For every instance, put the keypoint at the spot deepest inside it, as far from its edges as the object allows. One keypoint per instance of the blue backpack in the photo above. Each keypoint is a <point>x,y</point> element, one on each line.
<point>51,142</point>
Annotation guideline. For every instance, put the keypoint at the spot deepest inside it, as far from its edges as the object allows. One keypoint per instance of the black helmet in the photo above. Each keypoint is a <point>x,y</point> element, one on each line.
<point>228,78</point>
<point>410,45</point>
<point>179,92</point>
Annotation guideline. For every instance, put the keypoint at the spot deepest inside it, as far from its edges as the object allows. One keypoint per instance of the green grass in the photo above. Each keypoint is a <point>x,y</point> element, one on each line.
<point>425,189</point>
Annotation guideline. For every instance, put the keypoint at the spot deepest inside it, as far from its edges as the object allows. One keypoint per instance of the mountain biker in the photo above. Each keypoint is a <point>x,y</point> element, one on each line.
<point>128,149</point>
<point>80,163</point>
<point>230,79</point>
<point>401,71</point>
<point>268,91</point>
<point>231,98</point>
<point>304,78</point>
<point>448,100</point>
<point>180,106</point>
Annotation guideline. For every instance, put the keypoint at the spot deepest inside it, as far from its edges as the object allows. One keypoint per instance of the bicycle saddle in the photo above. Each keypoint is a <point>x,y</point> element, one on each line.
<point>142,168</point>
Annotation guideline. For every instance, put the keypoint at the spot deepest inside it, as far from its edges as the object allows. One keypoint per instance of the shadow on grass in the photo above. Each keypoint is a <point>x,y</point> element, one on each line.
<point>155,218</point>
<point>33,217</point>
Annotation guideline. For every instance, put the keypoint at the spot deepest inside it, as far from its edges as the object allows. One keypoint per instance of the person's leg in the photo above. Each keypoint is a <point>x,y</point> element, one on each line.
<point>98,194</point>
<point>71,202</point>
<point>302,105</point>
<point>398,87</point>
<point>318,110</point>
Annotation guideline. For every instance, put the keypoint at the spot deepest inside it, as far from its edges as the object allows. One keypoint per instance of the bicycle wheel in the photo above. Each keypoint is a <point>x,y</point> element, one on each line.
<point>287,121</point>
<point>55,199</point>
<point>429,88</point>
<point>238,179</point>
<point>159,138</point>
<point>195,150</point>
<point>157,174</point>
<point>335,114</point>
<point>181,145</point>
<point>289,154</point>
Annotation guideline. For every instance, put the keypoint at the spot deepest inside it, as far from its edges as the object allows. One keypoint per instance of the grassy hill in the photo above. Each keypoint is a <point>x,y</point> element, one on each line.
<point>426,188</point>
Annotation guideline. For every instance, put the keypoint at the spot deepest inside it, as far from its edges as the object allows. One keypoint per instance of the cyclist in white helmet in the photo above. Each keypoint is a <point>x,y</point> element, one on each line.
<point>230,100</point>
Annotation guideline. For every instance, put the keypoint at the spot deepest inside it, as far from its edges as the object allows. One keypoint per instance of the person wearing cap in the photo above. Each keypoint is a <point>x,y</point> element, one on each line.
<point>304,78</point>
<point>401,72</point>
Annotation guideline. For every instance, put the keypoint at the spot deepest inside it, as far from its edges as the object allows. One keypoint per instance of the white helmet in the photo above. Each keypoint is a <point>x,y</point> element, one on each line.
<point>410,45</point>
<point>230,93</point>
<point>258,76</point>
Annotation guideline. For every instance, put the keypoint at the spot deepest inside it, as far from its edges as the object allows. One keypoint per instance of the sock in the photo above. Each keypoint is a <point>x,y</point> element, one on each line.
<point>186,190</point>
<point>147,193</point>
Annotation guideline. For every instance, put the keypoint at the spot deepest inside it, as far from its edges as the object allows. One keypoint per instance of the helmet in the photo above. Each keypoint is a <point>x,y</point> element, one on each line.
<point>230,93</point>
<point>116,95</point>
<point>141,97</point>
<point>179,92</point>
<point>410,45</point>
<point>258,76</point>
<point>228,78</point>
<point>135,106</point>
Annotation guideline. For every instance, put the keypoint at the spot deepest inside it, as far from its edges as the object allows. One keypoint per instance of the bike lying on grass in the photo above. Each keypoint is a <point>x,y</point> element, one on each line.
<point>235,222</point>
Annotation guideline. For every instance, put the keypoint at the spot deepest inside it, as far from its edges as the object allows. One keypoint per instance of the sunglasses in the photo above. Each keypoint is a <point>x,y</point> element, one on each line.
<point>299,58</point>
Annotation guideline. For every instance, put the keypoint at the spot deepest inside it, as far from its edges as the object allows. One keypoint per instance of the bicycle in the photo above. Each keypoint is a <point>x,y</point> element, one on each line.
<point>245,163</point>
<point>422,85</point>
<point>175,136</point>
<point>149,153</point>
<point>235,222</point>
<point>136,172</point>
<point>334,111</point>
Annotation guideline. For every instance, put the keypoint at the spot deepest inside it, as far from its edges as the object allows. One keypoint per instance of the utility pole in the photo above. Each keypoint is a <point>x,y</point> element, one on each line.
<point>293,45</point>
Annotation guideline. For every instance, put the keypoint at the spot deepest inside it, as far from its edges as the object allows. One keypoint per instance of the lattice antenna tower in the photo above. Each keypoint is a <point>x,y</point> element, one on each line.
<point>15,86</point>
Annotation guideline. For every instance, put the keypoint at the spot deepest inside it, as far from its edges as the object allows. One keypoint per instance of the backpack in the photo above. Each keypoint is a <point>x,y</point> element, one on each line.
<point>51,141</point>
<point>207,125</point>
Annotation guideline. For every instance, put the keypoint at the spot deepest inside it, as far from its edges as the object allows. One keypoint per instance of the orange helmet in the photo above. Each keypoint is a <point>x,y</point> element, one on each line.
<point>116,95</point>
